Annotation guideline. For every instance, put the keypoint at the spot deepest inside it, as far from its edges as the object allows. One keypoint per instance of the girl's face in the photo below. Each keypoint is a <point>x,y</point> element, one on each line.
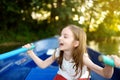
<point>66,40</point>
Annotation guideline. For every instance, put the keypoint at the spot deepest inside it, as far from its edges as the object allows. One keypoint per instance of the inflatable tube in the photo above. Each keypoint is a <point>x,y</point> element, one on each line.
<point>106,60</point>
<point>14,52</point>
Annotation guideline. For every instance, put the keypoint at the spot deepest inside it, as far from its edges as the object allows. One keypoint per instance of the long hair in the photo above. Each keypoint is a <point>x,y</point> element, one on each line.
<point>78,52</point>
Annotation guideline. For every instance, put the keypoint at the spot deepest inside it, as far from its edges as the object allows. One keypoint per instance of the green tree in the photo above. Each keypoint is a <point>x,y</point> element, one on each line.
<point>45,18</point>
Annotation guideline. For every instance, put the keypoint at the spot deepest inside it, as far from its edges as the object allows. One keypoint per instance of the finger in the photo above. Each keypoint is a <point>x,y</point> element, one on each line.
<point>27,46</point>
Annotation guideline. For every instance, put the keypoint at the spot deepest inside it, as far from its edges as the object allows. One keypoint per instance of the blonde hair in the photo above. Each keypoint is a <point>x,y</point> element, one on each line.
<point>78,52</point>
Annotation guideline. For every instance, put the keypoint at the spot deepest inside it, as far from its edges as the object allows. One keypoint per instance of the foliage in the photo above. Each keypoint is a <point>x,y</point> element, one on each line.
<point>30,20</point>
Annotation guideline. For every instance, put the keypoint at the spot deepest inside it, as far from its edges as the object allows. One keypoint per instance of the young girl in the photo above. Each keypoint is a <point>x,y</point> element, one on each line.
<point>71,55</point>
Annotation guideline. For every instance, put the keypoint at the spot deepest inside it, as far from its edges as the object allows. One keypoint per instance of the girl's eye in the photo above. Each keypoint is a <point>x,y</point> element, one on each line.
<point>65,37</point>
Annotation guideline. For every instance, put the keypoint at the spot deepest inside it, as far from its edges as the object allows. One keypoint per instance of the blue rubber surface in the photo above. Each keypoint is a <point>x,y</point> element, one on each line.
<point>42,74</point>
<point>22,67</point>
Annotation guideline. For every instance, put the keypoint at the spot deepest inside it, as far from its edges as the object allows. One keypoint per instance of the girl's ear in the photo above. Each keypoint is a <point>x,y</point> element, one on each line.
<point>76,43</point>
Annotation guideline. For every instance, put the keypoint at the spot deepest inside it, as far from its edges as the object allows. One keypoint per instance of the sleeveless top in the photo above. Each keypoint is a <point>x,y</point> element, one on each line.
<point>68,71</point>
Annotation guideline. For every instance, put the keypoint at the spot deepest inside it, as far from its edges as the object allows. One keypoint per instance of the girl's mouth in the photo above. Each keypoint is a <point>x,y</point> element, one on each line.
<point>61,44</point>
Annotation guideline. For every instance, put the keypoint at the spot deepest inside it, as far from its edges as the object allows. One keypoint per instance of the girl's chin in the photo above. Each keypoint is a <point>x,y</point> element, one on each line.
<point>61,48</point>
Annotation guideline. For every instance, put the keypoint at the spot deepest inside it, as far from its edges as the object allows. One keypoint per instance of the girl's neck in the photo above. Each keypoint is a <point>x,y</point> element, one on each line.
<point>67,55</point>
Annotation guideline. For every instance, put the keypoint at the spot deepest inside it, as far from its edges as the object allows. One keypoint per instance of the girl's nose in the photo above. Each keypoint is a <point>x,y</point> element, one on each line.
<point>60,38</point>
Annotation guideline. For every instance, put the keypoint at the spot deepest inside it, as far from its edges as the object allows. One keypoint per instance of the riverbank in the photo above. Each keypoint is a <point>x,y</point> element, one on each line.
<point>109,46</point>
<point>8,46</point>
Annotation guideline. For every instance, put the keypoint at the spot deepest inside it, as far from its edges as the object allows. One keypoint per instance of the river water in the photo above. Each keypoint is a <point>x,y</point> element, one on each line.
<point>106,47</point>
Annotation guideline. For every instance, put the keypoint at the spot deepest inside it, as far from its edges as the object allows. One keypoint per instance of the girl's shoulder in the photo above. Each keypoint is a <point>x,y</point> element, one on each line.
<point>85,55</point>
<point>86,58</point>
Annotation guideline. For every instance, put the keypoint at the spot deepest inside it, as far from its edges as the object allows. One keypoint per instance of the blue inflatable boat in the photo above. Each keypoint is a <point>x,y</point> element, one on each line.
<point>20,66</point>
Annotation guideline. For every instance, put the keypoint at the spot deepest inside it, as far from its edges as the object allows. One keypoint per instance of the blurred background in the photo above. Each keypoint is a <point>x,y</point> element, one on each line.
<point>24,21</point>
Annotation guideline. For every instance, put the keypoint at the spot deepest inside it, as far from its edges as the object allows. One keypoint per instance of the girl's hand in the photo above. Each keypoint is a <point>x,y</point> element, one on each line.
<point>116,60</point>
<point>28,46</point>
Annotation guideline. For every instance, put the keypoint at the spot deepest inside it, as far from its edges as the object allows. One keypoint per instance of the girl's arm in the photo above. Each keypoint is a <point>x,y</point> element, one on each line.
<point>38,61</point>
<point>106,72</point>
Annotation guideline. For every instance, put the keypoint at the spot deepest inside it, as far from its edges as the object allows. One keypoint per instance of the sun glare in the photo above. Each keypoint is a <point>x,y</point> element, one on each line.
<point>75,18</point>
<point>81,21</point>
<point>40,16</point>
<point>118,27</point>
